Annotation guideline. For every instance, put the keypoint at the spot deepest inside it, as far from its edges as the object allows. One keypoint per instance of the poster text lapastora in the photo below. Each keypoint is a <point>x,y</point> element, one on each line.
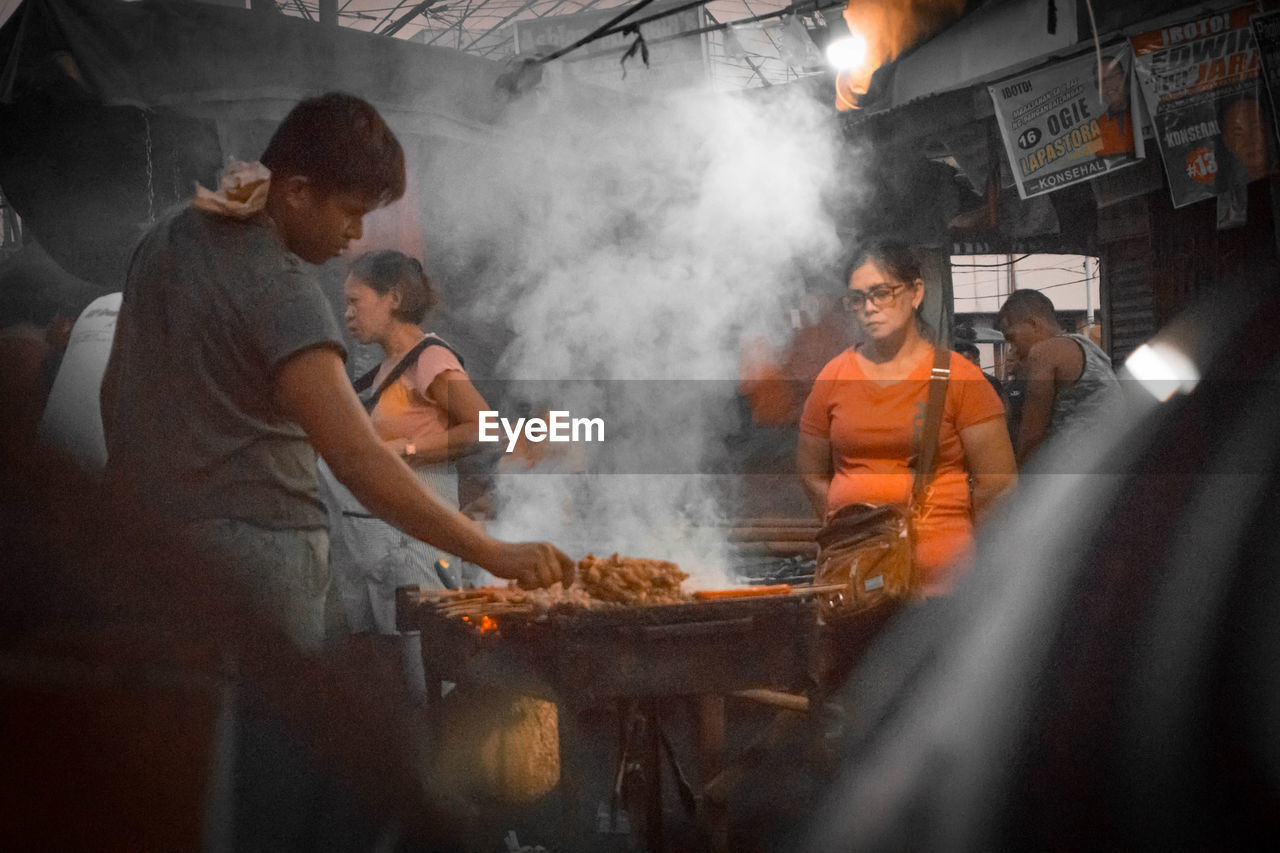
<point>1079,137</point>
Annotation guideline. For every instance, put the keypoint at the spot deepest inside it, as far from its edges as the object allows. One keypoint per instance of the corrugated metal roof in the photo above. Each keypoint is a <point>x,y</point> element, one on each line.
<point>1006,37</point>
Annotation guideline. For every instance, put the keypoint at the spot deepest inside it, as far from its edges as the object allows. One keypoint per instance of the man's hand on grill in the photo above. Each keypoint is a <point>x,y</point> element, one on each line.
<point>532,564</point>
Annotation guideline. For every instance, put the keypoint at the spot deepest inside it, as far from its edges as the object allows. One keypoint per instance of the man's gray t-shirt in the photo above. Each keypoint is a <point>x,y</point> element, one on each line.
<point>212,308</point>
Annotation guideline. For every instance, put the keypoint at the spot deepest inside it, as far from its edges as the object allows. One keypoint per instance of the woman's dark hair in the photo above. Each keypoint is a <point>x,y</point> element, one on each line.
<point>341,144</point>
<point>901,263</point>
<point>389,271</point>
<point>895,258</point>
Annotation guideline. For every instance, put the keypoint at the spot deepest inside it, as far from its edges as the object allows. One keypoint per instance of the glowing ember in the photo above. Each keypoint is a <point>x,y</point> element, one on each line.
<point>487,625</point>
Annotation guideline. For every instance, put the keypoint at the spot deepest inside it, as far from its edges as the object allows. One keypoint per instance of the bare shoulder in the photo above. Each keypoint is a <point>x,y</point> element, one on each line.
<point>446,379</point>
<point>1056,350</point>
<point>1060,354</point>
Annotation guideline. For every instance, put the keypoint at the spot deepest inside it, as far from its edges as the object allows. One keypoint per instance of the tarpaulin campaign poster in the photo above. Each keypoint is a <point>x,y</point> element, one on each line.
<point>1201,82</point>
<point>1266,31</point>
<point>1069,122</point>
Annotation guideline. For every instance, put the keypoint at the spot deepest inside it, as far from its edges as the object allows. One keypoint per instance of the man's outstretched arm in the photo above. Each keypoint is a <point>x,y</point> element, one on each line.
<point>314,390</point>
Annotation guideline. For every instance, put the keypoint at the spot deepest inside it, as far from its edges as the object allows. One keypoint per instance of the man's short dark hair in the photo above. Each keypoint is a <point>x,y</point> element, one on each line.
<point>341,144</point>
<point>967,349</point>
<point>1025,304</point>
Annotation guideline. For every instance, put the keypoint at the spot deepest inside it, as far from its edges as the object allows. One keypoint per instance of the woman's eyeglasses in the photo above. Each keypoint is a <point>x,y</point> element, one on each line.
<point>879,295</point>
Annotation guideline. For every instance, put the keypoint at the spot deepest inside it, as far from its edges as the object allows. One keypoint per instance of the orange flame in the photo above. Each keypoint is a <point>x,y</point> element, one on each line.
<point>890,27</point>
<point>487,625</point>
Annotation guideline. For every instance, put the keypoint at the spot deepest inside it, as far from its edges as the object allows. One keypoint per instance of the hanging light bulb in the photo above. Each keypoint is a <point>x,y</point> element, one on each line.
<point>847,53</point>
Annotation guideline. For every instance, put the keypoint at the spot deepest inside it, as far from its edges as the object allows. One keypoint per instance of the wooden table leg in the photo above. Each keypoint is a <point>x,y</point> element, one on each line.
<point>574,828</point>
<point>711,729</point>
<point>652,779</point>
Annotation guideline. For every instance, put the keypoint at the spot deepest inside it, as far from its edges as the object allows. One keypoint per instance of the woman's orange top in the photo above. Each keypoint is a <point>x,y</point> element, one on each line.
<point>872,428</point>
<point>406,410</point>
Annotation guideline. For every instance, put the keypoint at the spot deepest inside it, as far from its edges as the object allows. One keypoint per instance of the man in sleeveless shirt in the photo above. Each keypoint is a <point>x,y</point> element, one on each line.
<point>1068,377</point>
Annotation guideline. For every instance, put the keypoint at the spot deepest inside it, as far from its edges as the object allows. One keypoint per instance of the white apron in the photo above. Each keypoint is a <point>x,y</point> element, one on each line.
<point>369,558</point>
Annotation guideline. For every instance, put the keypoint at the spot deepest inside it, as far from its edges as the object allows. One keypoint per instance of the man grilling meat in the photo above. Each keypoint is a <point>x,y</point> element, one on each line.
<point>226,376</point>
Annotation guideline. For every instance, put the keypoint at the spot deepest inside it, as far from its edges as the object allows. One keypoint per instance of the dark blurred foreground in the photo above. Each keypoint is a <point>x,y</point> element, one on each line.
<point>132,672</point>
<point>1109,678</point>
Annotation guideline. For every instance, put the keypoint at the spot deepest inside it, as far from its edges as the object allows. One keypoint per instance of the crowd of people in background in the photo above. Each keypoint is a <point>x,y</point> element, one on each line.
<point>1054,382</point>
<point>860,431</point>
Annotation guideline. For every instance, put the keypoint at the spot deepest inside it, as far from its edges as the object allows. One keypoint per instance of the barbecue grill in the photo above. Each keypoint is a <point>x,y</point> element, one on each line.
<point>761,646</point>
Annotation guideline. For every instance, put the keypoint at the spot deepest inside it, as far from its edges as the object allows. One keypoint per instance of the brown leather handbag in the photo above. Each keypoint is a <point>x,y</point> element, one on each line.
<point>870,548</point>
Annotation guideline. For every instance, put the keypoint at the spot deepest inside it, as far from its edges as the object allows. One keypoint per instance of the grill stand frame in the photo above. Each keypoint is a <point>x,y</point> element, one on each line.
<point>759,649</point>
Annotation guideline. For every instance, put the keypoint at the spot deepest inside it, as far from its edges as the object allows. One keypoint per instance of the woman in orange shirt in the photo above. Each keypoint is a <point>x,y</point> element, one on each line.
<point>861,420</point>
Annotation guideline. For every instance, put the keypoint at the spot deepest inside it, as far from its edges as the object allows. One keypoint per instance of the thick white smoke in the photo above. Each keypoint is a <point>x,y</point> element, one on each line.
<point>639,241</point>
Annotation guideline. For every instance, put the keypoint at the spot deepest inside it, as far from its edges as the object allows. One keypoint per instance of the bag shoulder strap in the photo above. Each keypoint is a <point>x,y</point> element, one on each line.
<point>364,382</point>
<point>927,455</point>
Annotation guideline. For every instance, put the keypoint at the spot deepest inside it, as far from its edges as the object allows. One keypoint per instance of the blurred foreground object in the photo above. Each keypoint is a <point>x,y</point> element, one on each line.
<point>126,666</point>
<point>1108,675</point>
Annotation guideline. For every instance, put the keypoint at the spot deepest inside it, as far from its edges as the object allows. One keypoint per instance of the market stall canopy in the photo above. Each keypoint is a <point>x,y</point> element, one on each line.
<point>110,112</point>
<point>1002,37</point>
<point>213,62</point>
<point>981,44</point>
<point>933,99</point>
